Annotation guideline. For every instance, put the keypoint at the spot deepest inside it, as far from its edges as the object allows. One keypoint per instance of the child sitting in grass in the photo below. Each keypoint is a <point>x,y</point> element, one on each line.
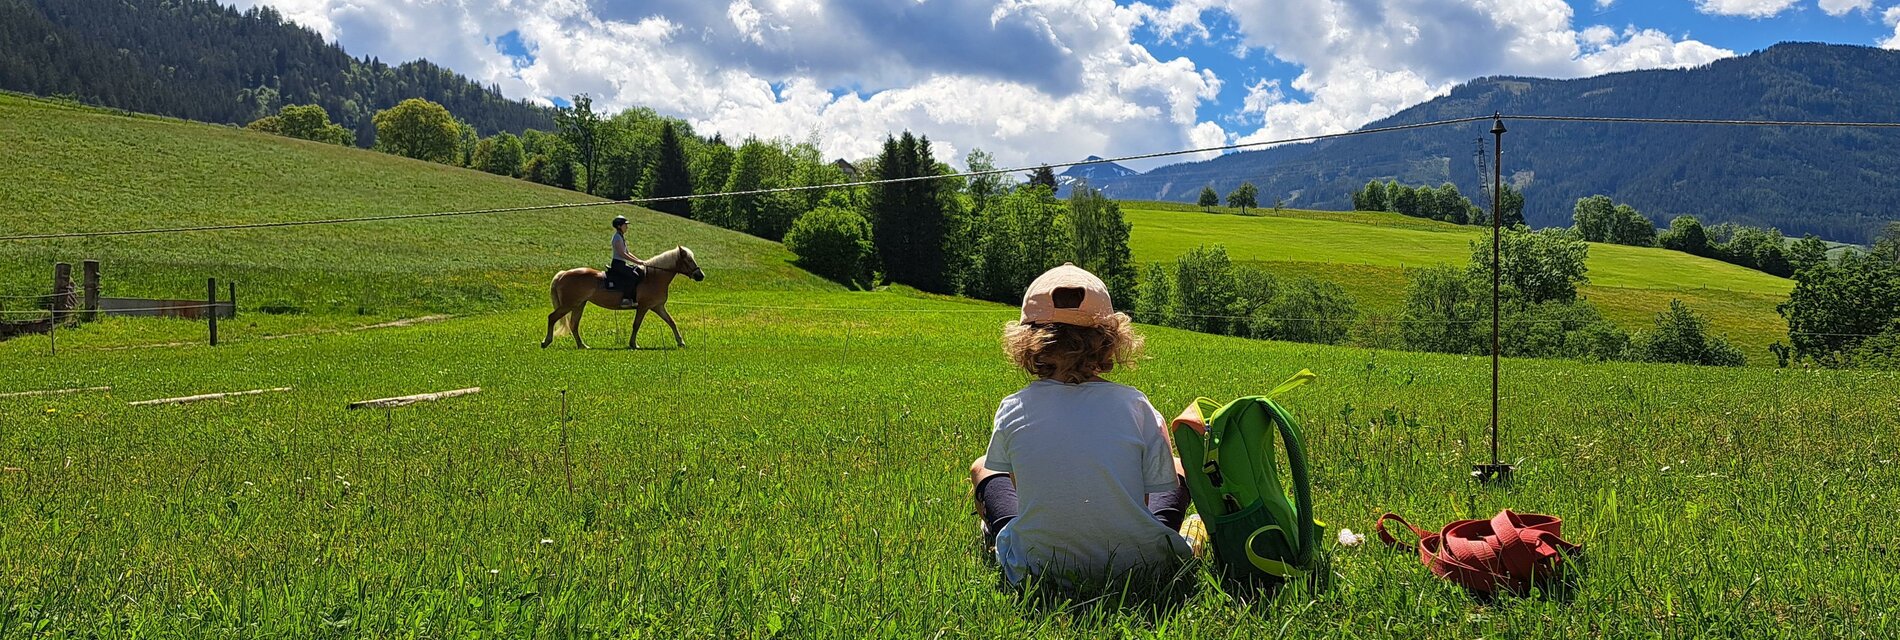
<point>1064,490</point>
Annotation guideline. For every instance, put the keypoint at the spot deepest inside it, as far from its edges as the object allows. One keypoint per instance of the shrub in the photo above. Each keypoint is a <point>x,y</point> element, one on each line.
<point>1308,310</point>
<point>1441,309</point>
<point>1203,291</point>
<point>834,243</point>
<point>1682,336</point>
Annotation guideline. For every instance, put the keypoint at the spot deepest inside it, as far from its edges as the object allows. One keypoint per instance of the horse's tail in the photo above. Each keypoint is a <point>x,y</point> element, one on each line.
<point>554,296</point>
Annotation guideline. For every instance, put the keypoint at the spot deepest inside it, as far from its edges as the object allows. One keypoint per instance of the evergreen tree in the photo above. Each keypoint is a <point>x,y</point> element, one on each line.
<point>911,221</point>
<point>1043,176</point>
<point>671,176</point>
<point>1208,199</point>
<point>1242,197</point>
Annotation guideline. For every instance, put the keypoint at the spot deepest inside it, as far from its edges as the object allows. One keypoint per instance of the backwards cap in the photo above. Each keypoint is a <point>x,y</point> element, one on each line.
<point>1067,295</point>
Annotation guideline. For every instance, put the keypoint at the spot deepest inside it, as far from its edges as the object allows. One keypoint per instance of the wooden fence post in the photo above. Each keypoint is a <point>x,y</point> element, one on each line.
<point>62,291</point>
<point>90,306</point>
<point>211,307</point>
<point>232,286</point>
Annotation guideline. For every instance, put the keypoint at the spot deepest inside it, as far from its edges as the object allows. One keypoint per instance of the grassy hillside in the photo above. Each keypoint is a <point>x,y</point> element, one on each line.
<point>1367,253</point>
<point>81,169</point>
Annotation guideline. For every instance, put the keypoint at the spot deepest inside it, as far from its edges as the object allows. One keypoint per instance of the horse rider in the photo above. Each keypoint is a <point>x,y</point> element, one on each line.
<point>625,272</point>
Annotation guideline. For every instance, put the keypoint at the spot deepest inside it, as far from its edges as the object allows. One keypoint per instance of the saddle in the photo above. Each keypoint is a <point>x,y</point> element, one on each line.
<point>624,278</point>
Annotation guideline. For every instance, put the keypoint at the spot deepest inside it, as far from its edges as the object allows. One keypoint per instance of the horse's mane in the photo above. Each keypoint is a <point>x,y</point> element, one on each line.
<point>670,258</point>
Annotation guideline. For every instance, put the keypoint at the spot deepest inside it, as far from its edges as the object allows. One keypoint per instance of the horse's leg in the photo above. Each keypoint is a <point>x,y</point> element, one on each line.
<point>552,318</point>
<point>677,340</point>
<point>633,336</point>
<point>574,324</point>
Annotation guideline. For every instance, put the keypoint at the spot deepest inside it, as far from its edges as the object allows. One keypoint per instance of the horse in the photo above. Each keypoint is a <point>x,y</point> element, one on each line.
<point>574,288</point>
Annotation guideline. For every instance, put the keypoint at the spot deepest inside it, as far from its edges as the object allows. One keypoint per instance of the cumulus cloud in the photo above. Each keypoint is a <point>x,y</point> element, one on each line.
<point>1838,8</point>
<point>1029,80</point>
<point>1892,18</point>
<point>1363,61</point>
<point>1745,8</point>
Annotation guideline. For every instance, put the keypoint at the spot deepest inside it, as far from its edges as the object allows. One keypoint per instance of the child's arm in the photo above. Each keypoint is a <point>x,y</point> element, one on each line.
<point>1160,469</point>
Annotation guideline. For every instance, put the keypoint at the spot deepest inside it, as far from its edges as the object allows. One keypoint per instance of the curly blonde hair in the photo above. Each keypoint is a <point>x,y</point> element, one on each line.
<point>1070,353</point>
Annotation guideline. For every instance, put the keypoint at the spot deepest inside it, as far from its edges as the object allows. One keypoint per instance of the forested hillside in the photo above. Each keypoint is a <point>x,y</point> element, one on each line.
<point>1841,184</point>
<point>204,61</point>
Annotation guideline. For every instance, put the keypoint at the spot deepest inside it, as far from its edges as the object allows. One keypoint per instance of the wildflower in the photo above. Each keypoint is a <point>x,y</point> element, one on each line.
<point>50,411</point>
<point>1665,468</point>
<point>494,572</point>
<point>1349,539</point>
<point>547,541</point>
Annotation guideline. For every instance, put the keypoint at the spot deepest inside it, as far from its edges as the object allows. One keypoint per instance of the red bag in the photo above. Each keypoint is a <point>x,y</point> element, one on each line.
<point>1508,552</point>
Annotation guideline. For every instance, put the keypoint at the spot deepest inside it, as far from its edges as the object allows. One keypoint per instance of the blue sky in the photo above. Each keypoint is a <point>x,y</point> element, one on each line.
<point>1053,80</point>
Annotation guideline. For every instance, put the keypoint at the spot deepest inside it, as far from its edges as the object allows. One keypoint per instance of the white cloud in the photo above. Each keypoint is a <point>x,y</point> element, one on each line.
<point>1605,4</point>
<point>1364,61</point>
<point>1745,8</point>
<point>1892,18</point>
<point>1838,8</point>
<point>1029,80</point>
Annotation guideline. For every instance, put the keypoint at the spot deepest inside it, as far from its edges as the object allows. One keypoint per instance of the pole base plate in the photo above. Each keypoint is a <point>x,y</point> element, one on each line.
<point>1495,473</point>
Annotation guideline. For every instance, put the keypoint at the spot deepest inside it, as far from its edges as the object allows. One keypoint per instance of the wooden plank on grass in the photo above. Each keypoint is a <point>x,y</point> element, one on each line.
<point>208,396</point>
<point>401,401</point>
<point>52,392</point>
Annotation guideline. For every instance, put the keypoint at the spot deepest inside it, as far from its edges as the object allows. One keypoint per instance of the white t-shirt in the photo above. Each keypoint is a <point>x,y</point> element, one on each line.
<point>1083,458</point>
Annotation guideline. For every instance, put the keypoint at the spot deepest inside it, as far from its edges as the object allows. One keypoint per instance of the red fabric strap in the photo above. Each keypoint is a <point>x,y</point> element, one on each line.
<point>1509,551</point>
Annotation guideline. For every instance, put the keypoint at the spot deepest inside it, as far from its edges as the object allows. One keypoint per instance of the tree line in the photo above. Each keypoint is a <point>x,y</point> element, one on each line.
<point>1599,219</point>
<point>1443,203</point>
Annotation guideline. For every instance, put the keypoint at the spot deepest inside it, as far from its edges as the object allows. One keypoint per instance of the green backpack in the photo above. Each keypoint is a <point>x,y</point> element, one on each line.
<point>1230,462</point>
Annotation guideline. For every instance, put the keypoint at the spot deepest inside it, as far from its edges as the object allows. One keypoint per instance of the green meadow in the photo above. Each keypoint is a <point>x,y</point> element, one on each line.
<point>1367,253</point>
<point>798,469</point>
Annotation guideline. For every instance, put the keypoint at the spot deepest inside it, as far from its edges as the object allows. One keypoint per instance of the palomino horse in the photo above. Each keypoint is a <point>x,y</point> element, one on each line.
<point>574,288</point>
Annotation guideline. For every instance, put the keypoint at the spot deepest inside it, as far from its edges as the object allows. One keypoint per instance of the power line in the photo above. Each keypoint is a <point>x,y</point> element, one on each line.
<point>1744,123</point>
<point>752,192</point>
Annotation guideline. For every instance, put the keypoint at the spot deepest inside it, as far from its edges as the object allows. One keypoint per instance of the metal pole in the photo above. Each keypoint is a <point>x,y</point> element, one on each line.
<point>1497,470</point>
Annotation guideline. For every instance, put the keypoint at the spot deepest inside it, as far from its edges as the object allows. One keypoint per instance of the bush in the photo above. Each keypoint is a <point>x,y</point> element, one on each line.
<point>1441,310</point>
<point>1308,310</point>
<point>1681,336</point>
<point>1881,351</point>
<point>1203,291</point>
<point>834,243</point>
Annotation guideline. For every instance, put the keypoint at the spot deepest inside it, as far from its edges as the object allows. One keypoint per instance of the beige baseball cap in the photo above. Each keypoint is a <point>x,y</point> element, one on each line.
<point>1067,295</point>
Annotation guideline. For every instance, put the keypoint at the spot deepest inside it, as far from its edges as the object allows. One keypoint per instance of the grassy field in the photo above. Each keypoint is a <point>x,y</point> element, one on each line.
<point>798,470</point>
<point>800,473</point>
<point>1367,253</point>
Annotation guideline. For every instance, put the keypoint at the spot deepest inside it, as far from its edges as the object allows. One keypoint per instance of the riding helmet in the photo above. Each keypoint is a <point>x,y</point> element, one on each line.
<point>619,220</point>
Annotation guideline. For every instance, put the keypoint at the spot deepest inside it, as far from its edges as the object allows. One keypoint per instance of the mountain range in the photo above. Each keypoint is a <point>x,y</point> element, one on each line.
<point>1838,183</point>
